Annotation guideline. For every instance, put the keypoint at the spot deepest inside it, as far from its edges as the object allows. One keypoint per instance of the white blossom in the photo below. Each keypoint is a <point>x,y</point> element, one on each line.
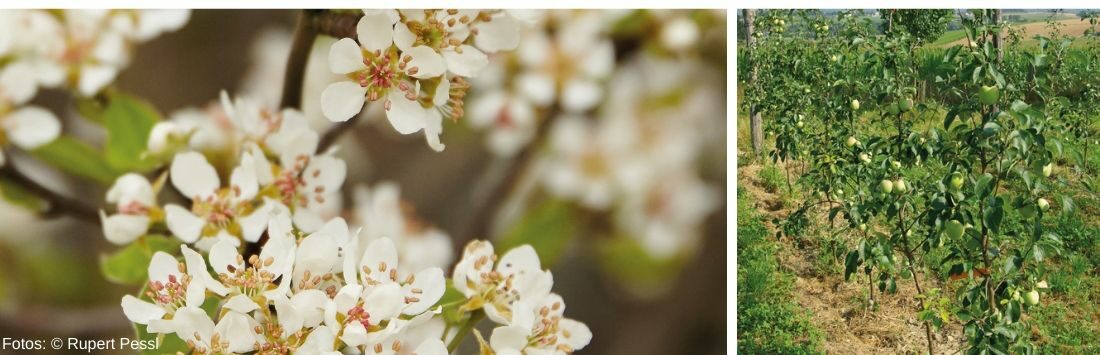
<point>134,199</point>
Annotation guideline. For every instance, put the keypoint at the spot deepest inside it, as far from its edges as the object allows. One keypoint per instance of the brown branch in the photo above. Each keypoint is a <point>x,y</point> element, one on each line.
<point>311,24</point>
<point>482,218</point>
<point>480,223</point>
<point>304,36</point>
<point>57,205</point>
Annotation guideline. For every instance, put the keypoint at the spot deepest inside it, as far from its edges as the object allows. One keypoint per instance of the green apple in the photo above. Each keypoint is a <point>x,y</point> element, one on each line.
<point>840,192</point>
<point>954,229</point>
<point>833,58</point>
<point>896,164</point>
<point>824,28</point>
<point>900,187</point>
<point>782,22</point>
<point>957,181</point>
<point>988,95</point>
<point>863,227</point>
<point>1016,295</point>
<point>864,157</point>
<point>798,124</point>
<point>851,141</point>
<point>886,186</point>
<point>855,105</point>
<point>905,105</point>
<point>1043,204</point>
<point>1032,297</point>
<point>1048,169</point>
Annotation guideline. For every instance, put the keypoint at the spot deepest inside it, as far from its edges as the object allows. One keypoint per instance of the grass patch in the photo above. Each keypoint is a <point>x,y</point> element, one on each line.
<point>771,178</point>
<point>768,321</point>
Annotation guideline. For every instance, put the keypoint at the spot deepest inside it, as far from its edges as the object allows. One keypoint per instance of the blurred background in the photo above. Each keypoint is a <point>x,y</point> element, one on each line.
<point>634,303</point>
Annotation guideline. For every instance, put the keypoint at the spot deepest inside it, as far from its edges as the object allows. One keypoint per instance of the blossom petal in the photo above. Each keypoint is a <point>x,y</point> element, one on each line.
<point>184,225</point>
<point>193,176</point>
<point>241,304</point>
<point>520,260</point>
<point>512,337</point>
<point>122,229</point>
<point>345,56</point>
<point>236,330</point>
<point>375,31</point>
<point>384,302</point>
<point>466,61</point>
<point>379,257</point>
<point>403,37</point>
<point>501,33</point>
<point>327,172</point>
<point>193,324</point>
<point>431,347</point>
<point>427,62</point>
<point>433,127</point>
<point>161,266</point>
<point>579,95</point>
<point>95,77</point>
<point>31,127</point>
<point>599,61</point>
<point>18,82</point>
<point>223,255</point>
<point>131,188</point>
<point>406,116</point>
<point>196,267</point>
<point>243,181</point>
<point>538,87</point>
<point>574,333</point>
<point>139,311</point>
<point>431,283</point>
<point>342,100</point>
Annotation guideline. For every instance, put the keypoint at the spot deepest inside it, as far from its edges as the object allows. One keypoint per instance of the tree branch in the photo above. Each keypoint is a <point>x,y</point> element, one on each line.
<point>479,228</point>
<point>57,205</point>
<point>489,209</point>
<point>312,23</point>
<point>304,36</point>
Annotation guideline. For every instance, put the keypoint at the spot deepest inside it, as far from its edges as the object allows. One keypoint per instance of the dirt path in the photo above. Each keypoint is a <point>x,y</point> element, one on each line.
<point>839,308</point>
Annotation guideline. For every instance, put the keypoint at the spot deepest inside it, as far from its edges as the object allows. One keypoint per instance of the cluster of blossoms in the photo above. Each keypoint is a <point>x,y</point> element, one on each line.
<point>634,160</point>
<point>278,168</point>
<point>416,63</point>
<point>81,50</point>
<point>316,285</point>
<point>567,66</point>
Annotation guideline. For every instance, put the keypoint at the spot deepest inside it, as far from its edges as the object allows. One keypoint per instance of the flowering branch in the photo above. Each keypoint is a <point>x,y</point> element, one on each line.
<point>58,205</point>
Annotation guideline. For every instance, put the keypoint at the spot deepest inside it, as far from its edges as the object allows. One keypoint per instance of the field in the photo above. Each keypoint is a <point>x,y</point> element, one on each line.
<point>937,200</point>
<point>1072,27</point>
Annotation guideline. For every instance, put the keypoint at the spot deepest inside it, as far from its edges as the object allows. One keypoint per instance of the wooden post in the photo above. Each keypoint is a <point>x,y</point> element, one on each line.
<point>756,122</point>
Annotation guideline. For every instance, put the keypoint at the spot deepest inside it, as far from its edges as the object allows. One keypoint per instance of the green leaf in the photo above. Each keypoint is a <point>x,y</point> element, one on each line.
<point>623,257</point>
<point>548,228</point>
<point>129,121</point>
<point>452,301</point>
<point>77,158</point>
<point>15,194</point>
<point>129,265</point>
